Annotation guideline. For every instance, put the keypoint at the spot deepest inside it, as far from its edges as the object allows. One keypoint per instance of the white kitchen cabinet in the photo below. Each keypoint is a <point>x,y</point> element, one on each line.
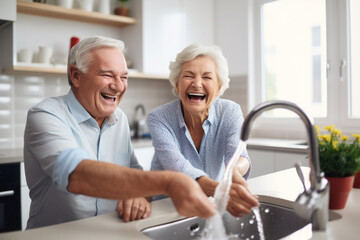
<point>25,199</point>
<point>144,156</point>
<point>266,161</point>
<point>262,162</point>
<point>7,11</point>
<point>285,160</point>
<point>170,26</point>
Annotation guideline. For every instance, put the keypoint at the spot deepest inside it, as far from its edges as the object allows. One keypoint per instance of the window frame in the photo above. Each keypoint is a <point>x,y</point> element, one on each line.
<point>337,29</point>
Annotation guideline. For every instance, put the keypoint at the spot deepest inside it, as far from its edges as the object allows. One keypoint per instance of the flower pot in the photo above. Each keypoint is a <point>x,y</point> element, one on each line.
<point>340,188</point>
<point>357,180</point>
<point>122,11</point>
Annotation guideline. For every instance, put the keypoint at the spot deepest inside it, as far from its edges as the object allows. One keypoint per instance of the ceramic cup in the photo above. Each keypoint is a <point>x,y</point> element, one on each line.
<point>45,54</point>
<point>74,41</point>
<point>86,5</point>
<point>65,3</point>
<point>103,6</point>
<point>25,55</point>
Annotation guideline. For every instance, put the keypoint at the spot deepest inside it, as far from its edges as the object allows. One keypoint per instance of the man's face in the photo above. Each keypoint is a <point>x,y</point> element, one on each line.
<point>100,89</point>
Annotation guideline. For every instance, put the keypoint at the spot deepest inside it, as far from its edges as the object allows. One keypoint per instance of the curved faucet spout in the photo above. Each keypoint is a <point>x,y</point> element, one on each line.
<point>318,183</point>
<point>309,123</point>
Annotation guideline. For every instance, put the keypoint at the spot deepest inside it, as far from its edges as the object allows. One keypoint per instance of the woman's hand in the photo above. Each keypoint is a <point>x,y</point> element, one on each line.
<point>133,209</point>
<point>241,199</point>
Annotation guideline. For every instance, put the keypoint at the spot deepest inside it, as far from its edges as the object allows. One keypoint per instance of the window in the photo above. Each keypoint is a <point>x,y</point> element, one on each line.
<point>354,19</point>
<point>294,53</point>
<point>306,52</point>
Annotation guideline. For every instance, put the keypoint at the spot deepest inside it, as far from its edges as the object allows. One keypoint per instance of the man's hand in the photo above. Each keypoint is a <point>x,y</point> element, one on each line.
<point>188,197</point>
<point>133,209</point>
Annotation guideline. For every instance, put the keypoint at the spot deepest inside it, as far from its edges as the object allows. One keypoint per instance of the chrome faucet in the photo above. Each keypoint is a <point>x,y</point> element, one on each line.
<point>313,203</point>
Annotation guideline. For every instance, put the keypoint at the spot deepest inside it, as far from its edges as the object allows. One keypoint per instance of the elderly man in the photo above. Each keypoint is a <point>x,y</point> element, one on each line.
<point>79,160</point>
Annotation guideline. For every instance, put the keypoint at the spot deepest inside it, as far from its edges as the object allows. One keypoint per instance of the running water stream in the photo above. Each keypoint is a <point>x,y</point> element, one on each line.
<point>214,227</point>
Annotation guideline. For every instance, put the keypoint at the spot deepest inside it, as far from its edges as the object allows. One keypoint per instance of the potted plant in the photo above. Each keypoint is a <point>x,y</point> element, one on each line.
<point>340,161</point>
<point>122,10</point>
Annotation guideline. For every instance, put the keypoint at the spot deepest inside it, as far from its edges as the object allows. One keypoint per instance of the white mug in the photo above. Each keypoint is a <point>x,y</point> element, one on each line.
<point>25,55</point>
<point>45,54</point>
<point>86,5</point>
<point>103,6</point>
<point>65,3</point>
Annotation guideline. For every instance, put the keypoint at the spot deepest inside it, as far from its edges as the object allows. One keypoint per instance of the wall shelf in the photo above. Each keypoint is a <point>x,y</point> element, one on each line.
<point>35,70</point>
<point>47,10</point>
<point>53,11</point>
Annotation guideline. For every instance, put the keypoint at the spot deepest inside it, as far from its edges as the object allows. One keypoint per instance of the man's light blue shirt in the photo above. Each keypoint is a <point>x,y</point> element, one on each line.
<point>175,149</point>
<point>59,134</point>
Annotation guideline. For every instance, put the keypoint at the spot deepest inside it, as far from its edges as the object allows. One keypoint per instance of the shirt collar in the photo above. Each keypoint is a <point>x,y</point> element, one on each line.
<point>80,113</point>
<point>210,119</point>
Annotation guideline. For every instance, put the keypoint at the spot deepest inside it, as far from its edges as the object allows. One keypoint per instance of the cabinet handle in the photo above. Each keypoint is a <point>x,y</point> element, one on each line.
<point>327,70</point>
<point>7,193</point>
<point>342,67</point>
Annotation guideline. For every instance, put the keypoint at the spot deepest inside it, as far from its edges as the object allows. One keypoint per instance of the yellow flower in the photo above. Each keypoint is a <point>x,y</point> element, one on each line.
<point>325,137</point>
<point>344,138</point>
<point>317,129</point>
<point>336,131</point>
<point>335,145</point>
<point>329,127</point>
<point>357,137</point>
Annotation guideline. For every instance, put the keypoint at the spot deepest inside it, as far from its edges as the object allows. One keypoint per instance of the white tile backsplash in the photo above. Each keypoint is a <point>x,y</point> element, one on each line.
<point>19,93</point>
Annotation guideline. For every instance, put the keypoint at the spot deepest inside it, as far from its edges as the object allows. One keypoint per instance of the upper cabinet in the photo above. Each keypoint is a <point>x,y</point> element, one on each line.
<point>170,26</point>
<point>7,11</point>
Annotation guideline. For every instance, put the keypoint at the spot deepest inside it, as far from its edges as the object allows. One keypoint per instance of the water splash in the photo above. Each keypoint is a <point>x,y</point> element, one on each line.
<point>214,227</point>
<point>260,227</point>
<point>222,190</point>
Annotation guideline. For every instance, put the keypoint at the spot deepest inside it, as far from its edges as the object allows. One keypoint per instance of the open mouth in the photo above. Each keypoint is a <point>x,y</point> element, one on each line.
<point>196,96</point>
<point>109,97</point>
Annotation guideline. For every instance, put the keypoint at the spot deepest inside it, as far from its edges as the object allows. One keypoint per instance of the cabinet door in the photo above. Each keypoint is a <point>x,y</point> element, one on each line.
<point>170,26</point>
<point>25,199</point>
<point>144,156</point>
<point>8,10</point>
<point>262,162</point>
<point>163,30</point>
<point>199,21</point>
<point>284,160</point>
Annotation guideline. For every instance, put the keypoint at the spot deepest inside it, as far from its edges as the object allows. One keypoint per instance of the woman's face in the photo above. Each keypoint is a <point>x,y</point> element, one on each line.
<point>198,85</point>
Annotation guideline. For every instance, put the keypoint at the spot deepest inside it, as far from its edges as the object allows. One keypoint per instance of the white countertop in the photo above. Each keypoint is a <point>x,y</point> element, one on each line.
<point>284,184</point>
<point>11,155</point>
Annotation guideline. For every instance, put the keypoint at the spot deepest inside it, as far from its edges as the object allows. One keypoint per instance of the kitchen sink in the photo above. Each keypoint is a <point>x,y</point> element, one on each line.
<point>279,220</point>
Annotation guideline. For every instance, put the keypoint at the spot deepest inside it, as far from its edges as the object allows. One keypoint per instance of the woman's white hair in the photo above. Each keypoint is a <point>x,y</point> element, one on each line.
<point>79,54</point>
<point>196,50</point>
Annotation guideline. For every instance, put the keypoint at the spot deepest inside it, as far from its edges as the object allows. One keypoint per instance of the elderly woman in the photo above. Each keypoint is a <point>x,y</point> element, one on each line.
<point>198,133</point>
